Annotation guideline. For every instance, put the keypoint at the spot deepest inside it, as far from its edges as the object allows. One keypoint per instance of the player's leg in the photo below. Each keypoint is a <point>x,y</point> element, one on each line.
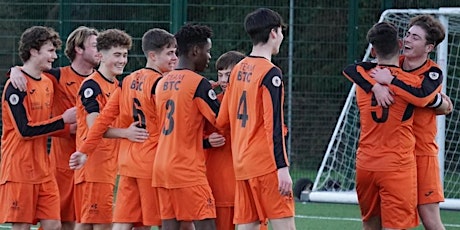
<point>189,206</point>
<point>206,224</point>
<point>224,218</point>
<point>368,199</point>
<point>246,215</point>
<point>47,206</point>
<point>187,225</point>
<point>279,209</point>
<point>94,207</point>
<point>398,203</point>
<point>65,182</point>
<point>149,202</point>
<point>127,210</point>
<point>430,192</point>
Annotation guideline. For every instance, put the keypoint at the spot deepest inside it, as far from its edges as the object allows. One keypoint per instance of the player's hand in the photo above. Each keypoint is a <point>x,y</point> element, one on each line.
<point>446,106</point>
<point>284,182</point>
<point>73,128</point>
<point>383,95</point>
<point>214,84</point>
<point>77,160</point>
<point>136,134</point>
<point>382,75</point>
<point>216,140</point>
<point>17,79</point>
<point>70,115</point>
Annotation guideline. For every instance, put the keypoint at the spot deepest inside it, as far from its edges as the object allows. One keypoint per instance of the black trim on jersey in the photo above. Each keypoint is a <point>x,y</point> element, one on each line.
<point>352,72</point>
<point>206,144</point>
<point>154,86</point>
<point>90,104</point>
<point>20,116</point>
<point>202,91</point>
<point>56,72</point>
<point>276,94</point>
<point>408,112</point>
<point>156,71</point>
<point>120,84</point>
<point>429,85</point>
<point>30,76</point>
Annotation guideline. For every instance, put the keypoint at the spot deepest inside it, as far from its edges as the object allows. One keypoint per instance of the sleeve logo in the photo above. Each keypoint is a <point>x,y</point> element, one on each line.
<point>88,92</point>
<point>276,81</point>
<point>212,94</point>
<point>433,75</point>
<point>14,99</point>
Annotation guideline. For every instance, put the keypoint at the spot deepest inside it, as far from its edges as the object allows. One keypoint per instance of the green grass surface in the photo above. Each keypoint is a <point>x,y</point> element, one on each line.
<point>325,216</point>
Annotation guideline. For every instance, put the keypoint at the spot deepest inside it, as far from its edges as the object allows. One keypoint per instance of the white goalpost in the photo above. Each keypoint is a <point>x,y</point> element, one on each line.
<point>335,181</point>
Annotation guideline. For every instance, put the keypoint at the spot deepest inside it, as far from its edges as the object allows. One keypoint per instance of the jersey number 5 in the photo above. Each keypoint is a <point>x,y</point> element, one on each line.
<point>242,110</point>
<point>170,107</point>
<point>138,115</point>
<point>385,111</point>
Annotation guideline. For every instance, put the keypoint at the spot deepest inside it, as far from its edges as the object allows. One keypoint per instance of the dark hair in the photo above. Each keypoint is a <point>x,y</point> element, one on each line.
<point>229,59</point>
<point>113,38</point>
<point>34,38</point>
<point>190,35</point>
<point>260,22</point>
<point>156,39</point>
<point>77,39</point>
<point>435,32</point>
<point>384,38</point>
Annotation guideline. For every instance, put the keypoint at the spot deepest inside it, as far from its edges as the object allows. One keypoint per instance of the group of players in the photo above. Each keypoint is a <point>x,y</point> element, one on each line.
<point>397,169</point>
<point>152,128</point>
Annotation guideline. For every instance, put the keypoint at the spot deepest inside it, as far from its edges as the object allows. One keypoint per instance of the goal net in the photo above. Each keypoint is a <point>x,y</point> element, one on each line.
<point>335,181</point>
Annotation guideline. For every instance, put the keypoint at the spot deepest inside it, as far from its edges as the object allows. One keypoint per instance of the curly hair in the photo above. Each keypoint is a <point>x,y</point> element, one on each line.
<point>113,38</point>
<point>435,32</point>
<point>77,39</point>
<point>190,35</point>
<point>34,38</point>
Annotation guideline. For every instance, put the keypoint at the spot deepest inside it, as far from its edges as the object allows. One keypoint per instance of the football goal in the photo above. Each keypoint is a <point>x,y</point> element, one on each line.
<point>335,181</point>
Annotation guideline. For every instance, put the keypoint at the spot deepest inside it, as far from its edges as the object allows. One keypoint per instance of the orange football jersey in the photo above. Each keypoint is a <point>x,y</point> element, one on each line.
<point>93,95</point>
<point>134,102</point>
<point>27,123</point>
<point>184,100</point>
<point>253,107</point>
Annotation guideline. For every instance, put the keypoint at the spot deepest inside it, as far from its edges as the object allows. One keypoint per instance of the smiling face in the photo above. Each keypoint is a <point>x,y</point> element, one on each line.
<point>165,59</point>
<point>44,57</point>
<point>415,43</point>
<point>113,61</point>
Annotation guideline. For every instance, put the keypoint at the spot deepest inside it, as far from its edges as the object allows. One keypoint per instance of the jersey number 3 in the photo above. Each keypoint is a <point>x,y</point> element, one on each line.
<point>170,108</point>
<point>242,113</point>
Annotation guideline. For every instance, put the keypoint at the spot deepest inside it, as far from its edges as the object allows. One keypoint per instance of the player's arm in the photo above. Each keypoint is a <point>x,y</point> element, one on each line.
<point>427,94</point>
<point>19,81</point>
<point>223,119</point>
<point>446,107</point>
<point>206,101</point>
<point>272,97</point>
<point>88,94</point>
<point>28,129</point>
<point>357,73</point>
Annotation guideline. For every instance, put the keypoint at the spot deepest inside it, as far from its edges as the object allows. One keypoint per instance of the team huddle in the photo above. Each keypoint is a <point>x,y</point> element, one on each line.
<point>186,157</point>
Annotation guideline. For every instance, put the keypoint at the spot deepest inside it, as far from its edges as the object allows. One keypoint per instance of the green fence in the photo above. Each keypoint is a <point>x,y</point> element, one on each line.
<point>323,37</point>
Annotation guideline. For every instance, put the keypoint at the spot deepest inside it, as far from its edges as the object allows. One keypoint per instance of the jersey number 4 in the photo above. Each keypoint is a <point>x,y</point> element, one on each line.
<point>170,108</point>
<point>243,110</point>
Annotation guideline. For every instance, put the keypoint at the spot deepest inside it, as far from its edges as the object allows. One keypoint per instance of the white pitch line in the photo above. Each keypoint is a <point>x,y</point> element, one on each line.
<point>352,219</point>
